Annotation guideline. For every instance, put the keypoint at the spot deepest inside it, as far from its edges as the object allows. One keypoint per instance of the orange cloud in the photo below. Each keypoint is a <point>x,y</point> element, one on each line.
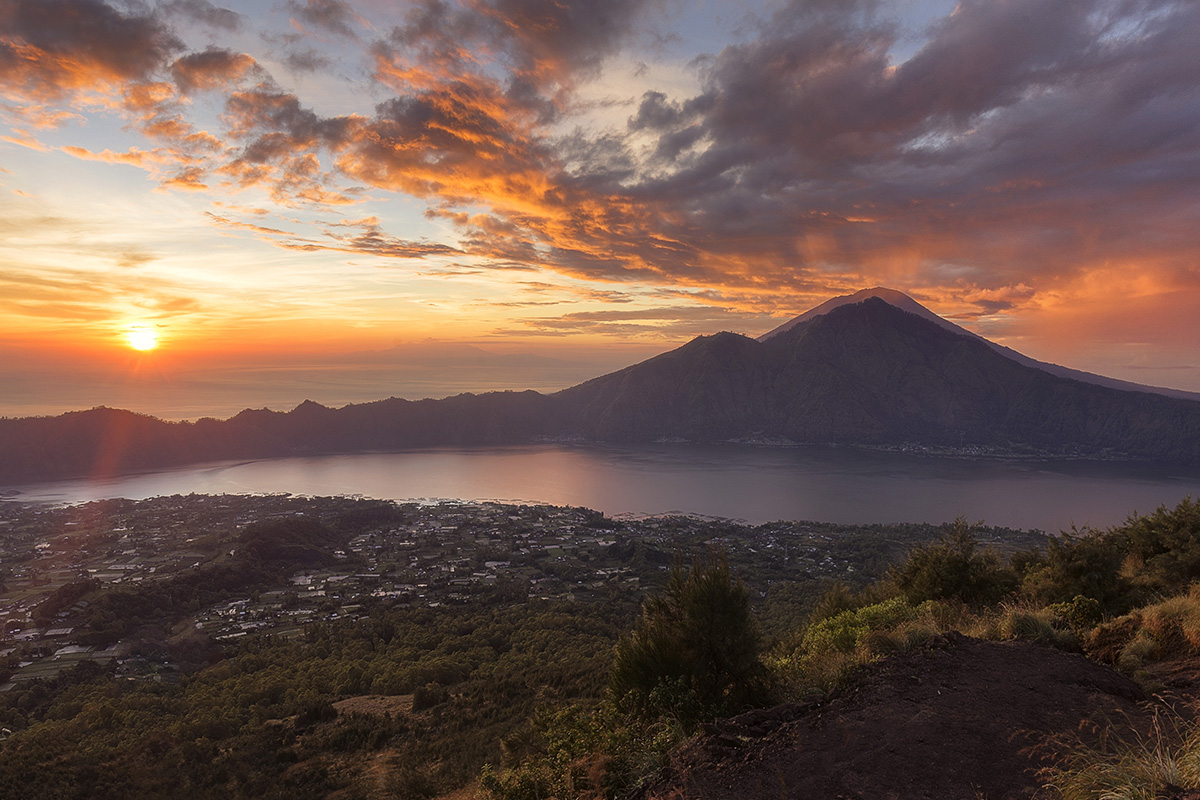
<point>84,53</point>
<point>1015,155</point>
<point>58,48</point>
<point>134,157</point>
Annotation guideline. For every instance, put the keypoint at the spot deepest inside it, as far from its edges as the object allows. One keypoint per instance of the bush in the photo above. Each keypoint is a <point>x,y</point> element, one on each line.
<point>1081,614</point>
<point>584,753</point>
<point>837,598</point>
<point>314,711</point>
<point>832,649</point>
<point>953,569</point>
<point>844,632</point>
<point>1165,546</point>
<point>1169,629</point>
<point>1084,565</point>
<point>430,695</point>
<point>694,652</point>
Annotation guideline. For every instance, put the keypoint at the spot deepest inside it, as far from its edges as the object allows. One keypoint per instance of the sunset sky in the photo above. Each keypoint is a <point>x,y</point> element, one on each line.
<point>277,183</point>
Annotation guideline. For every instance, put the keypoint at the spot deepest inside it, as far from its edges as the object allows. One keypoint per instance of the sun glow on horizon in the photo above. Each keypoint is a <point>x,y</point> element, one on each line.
<point>142,338</point>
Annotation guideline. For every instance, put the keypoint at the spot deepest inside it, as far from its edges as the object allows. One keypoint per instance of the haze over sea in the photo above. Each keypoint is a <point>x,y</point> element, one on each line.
<point>223,392</point>
<point>752,483</point>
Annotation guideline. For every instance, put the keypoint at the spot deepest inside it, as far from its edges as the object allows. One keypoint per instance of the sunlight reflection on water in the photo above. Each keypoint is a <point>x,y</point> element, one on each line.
<point>756,484</point>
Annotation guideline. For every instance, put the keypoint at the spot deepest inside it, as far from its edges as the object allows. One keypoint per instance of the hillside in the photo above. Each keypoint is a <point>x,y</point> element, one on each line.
<point>105,441</point>
<point>860,373</point>
<point>308,648</point>
<point>958,718</point>
<point>1069,673</point>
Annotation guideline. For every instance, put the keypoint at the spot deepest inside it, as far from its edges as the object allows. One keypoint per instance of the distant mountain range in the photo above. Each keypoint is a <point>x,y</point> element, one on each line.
<point>875,369</point>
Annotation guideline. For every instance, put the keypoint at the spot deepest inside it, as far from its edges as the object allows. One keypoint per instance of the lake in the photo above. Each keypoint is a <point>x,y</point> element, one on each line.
<point>752,483</point>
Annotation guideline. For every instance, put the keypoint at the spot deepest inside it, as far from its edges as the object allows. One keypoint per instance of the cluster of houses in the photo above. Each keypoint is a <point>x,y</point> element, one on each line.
<point>433,554</point>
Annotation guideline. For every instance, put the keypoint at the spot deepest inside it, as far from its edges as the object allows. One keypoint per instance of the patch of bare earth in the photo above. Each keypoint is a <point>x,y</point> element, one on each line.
<point>376,705</point>
<point>959,718</point>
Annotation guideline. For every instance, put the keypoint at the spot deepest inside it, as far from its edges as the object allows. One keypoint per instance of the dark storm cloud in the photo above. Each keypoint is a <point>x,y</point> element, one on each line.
<point>306,60</point>
<point>1001,144</point>
<point>544,47</point>
<point>331,15</point>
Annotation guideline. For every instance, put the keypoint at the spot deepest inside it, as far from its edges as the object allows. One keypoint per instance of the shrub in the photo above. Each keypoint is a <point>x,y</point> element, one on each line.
<point>430,695</point>
<point>1141,650</point>
<point>1080,565</point>
<point>831,649</point>
<point>953,569</point>
<point>837,598</point>
<point>845,631</point>
<point>1166,547</point>
<point>694,651</point>
<point>584,753</point>
<point>314,711</point>
<point>1081,613</point>
<point>1168,629</point>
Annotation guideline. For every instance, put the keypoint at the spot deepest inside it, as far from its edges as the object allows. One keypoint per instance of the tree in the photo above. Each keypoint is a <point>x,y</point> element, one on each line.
<point>953,569</point>
<point>1080,564</point>
<point>694,651</point>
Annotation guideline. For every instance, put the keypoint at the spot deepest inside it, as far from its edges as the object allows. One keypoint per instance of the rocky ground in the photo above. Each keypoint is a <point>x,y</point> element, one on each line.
<point>959,718</point>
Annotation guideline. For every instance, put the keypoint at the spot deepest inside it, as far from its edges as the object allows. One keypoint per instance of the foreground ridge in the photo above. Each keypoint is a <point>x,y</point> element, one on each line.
<point>957,718</point>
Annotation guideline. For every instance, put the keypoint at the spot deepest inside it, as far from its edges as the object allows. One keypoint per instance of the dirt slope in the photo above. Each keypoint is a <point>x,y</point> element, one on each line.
<point>961,718</point>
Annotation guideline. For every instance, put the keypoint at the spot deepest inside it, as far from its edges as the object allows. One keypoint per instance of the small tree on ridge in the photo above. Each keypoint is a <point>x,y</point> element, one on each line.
<point>694,652</point>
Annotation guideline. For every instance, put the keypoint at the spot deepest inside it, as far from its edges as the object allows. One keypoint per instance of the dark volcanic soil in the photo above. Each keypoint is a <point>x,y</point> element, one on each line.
<point>961,718</point>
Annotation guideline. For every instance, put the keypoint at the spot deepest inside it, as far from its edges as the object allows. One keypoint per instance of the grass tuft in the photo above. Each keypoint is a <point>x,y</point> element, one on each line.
<point>1136,767</point>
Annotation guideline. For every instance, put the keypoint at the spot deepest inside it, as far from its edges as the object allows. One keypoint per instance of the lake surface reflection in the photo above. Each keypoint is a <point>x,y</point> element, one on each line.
<point>756,484</point>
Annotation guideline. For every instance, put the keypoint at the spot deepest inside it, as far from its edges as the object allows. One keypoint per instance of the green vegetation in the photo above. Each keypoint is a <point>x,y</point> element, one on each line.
<point>261,722</point>
<point>694,652</point>
<point>954,569</point>
<point>466,656</point>
<point>693,656</point>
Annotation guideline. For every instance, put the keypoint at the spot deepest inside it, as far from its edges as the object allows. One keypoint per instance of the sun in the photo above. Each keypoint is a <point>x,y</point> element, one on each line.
<point>142,337</point>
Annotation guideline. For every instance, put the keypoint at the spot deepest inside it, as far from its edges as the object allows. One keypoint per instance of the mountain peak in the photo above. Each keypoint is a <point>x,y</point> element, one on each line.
<point>890,296</point>
<point>905,303</point>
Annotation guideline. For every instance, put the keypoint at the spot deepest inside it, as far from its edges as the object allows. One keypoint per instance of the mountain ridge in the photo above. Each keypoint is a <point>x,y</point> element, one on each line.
<point>862,373</point>
<point>867,373</point>
<point>906,303</point>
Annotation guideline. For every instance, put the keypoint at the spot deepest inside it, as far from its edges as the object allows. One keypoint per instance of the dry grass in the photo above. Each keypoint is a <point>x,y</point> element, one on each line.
<point>830,651</point>
<point>1164,630</point>
<point>1021,621</point>
<point>1134,767</point>
<point>376,705</point>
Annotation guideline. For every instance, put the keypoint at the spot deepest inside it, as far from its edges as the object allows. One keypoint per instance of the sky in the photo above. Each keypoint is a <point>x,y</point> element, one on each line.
<point>264,187</point>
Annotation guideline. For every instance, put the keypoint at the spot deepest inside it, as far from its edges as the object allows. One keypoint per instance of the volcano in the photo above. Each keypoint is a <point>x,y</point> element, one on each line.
<point>872,369</point>
<point>877,368</point>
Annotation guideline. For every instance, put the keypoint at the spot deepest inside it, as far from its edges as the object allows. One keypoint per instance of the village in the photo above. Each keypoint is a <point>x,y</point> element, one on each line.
<point>55,560</point>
